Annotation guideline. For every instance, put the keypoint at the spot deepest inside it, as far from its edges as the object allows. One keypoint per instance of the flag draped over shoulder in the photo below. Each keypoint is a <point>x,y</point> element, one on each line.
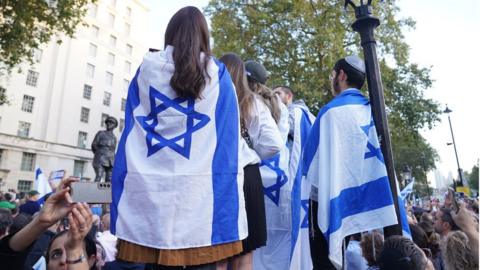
<point>176,181</point>
<point>344,161</point>
<point>300,245</point>
<point>277,187</point>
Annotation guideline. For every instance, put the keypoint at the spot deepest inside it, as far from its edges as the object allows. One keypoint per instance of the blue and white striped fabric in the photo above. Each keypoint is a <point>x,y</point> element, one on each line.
<point>41,185</point>
<point>277,186</point>
<point>407,190</point>
<point>177,182</point>
<point>344,161</point>
<point>300,245</point>
<point>403,209</point>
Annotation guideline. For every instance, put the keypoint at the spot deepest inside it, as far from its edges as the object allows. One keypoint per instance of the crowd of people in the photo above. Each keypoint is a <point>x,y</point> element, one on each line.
<point>199,200</point>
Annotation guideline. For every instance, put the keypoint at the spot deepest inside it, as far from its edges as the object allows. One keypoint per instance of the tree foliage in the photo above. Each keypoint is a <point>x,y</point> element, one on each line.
<point>25,25</point>
<point>472,178</point>
<point>299,42</point>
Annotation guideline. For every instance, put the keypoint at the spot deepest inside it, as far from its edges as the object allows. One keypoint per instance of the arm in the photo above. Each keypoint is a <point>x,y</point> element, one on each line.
<point>466,223</point>
<point>55,208</point>
<point>81,220</point>
<point>263,131</point>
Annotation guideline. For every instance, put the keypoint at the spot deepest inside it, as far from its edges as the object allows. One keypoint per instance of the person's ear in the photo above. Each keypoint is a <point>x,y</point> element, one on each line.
<point>342,76</point>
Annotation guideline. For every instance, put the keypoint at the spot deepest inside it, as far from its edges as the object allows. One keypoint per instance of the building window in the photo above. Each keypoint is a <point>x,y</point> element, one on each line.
<point>84,113</point>
<point>23,129</point>
<point>109,78</point>
<point>90,70</point>
<point>1,156</point>
<point>92,12</point>
<point>128,67</point>
<point>126,29</point>
<point>128,13</point>
<point>78,167</point>
<point>32,78</point>
<point>106,98</point>
<point>24,186</point>
<point>82,139</point>
<point>111,19</point>
<point>27,104</point>
<point>92,51</point>
<point>87,91</point>
<point>95,30</point>
<point>104,117</point>
<point>111,59</point>
<point>126,84</point>
<point>121,125</point>
<point>28,162</point>
<point>37,55</point>
<point>123,104</point>
<point>113,41</point>
<point>129,49</point>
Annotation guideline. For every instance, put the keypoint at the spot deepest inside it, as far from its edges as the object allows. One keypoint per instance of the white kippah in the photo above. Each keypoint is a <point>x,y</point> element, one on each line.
<point>356,63</point>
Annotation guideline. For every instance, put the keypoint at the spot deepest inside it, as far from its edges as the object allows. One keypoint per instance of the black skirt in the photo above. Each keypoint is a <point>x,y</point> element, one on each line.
<point>255,208</point>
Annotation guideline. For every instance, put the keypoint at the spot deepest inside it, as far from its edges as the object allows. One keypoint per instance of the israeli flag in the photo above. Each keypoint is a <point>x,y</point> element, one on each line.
<point>277,186</point>
<point>300,245</point>
<point>344,161</point>
<point>407,190</point>
<point>41,183</point>
<point>403,209</point>
<point>41,264</point>
<point>177,182</point>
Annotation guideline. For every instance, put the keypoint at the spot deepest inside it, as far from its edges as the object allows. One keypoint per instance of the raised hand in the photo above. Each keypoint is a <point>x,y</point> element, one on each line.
<point>58,205</point>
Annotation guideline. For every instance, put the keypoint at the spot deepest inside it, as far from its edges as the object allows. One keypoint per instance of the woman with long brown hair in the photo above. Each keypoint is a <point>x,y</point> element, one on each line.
<point>263,137</point>
<point>177,183</point>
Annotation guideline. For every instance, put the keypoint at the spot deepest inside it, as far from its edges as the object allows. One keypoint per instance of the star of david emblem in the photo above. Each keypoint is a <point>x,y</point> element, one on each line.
<point>273,191</point>
<point>372,150</point>
<point>159,103</point>
<point>305,205</point>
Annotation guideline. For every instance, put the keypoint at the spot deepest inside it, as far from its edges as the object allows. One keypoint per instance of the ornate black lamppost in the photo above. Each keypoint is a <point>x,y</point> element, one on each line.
<point>448,111</point>
<point>364,24</point>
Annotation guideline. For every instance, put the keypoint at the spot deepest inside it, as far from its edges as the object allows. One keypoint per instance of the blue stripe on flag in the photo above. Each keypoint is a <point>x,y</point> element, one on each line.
<point>37,173</point>
<point>305,125</point>
<point>348,97</point>
<point>403,218</point>
<point>225,162</point>
<point>355,200</point>
<point>120,169</point>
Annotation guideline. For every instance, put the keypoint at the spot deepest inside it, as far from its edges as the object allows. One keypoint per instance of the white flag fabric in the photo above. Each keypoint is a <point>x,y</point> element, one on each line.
<point>300,245</point>
<point>277,188</point>
<point>407,190</point>
<point>41,183</point>
<point>344,161</point>
<point>177,182</point>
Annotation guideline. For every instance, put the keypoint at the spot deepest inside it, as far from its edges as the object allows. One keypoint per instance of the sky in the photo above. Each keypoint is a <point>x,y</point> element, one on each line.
<point>446,38</point>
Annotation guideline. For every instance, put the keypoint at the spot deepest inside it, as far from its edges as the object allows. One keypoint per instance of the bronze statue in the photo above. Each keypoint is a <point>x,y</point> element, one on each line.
<point>103,148</point>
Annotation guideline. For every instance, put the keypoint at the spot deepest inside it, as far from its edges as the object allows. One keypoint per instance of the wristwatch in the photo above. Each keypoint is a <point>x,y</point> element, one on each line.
<point>79,260</point>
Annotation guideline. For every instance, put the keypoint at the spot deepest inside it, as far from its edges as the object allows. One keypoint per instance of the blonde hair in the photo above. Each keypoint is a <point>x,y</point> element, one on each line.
<point>268,97</point>
<point>457,253</point>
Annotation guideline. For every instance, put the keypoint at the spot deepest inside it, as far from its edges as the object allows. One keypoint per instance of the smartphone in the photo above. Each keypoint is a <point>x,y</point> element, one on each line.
<point>55,178</point>
<point>91,192</point>
<point>453,198</point>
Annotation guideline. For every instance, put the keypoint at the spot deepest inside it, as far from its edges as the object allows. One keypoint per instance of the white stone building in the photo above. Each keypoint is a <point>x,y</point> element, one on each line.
<point>57,105</point>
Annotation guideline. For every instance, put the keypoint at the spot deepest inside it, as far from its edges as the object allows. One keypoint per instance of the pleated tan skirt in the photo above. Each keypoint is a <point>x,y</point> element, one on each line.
<point>131,252</point>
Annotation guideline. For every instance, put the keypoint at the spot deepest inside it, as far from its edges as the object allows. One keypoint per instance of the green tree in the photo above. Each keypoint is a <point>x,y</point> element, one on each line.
<point>472,178</point>
<point>299,42</point>
<point>25,25</point>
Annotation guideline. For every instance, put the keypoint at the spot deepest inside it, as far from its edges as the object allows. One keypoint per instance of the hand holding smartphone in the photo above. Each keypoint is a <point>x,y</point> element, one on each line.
<point>453,199</point>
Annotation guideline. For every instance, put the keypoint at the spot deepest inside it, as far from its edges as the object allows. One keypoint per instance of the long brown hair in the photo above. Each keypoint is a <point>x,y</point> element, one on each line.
<point>269,98</point>
<point>236,68</point>
<point>188,33</point>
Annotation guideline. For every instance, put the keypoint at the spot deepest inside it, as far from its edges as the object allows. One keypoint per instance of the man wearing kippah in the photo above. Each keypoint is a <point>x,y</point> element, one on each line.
<point>347,77</point>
